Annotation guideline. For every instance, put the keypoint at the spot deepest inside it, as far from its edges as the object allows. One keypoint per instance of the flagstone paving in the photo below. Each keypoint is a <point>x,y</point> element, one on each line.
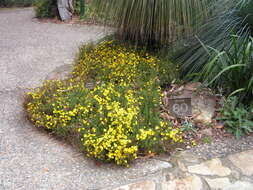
<point>233,172</point>
<point>34,160</point>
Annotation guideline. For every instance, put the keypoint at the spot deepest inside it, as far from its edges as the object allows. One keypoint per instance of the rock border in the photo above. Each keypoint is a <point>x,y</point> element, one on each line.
<point>190,172</point>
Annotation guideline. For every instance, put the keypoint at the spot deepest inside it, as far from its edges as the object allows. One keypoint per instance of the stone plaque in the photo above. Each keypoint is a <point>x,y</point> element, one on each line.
<point>180,107</point>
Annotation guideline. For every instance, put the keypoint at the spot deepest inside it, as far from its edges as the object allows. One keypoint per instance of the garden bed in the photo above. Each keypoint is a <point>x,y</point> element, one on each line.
<point>111,106</point>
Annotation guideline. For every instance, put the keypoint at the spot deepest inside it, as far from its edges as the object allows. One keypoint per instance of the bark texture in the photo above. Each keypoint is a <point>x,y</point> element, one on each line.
<point>66,9</point>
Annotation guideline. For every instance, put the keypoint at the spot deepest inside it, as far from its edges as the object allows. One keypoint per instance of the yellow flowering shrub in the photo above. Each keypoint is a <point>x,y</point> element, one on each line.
<point>116,120</point>
<point>110,61</point>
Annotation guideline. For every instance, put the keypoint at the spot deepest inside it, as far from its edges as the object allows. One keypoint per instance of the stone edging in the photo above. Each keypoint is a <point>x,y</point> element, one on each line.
<point>234,172</point>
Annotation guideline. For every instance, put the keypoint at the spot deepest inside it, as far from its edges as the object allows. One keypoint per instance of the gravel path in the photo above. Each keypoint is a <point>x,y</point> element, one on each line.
<point>29,158</point>
<point>30,50</point>
<point>222,148</point>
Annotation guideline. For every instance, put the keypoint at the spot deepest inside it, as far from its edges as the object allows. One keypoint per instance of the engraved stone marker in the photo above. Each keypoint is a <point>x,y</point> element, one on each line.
<point>180,107</point>
<point>201,102</point>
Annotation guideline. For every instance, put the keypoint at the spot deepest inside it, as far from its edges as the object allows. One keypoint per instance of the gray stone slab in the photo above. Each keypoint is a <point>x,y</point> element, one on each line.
<point>211,167</point>
<point>191,182</point>
<point>218,183</point>
<point>143,185</point>
<point>243,161</point>
<point>239,185</point>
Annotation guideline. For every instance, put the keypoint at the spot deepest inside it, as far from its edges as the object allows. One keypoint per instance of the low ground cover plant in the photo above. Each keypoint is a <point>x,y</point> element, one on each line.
<point>238,118</point>
<point>116,118</point>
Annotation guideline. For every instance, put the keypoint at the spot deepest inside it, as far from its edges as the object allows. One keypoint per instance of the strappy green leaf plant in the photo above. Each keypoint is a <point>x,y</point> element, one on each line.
<point>230,17</point>
<point>232,70</point>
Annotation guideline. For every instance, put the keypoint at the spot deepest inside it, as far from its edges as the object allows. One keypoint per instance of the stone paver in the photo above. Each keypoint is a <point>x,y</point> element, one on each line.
<point>206,175</point>
<point>192,182</point>
<point>239,185</point>
<point>243,161</point>
<point>211,167</point>
<point>218,183</point>
<point>147,185</point>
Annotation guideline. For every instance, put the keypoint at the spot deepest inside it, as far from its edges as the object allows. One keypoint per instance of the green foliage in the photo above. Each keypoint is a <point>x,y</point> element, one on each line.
<point>168,71</point>
<point>246,11</point>
<point>46,8</point>
<point>154,21</point>
<point>231,71</point>
<point>206,140</point>
<point>77,7</point>
<point>163,68</point>
<point>188,126</point>
<point>118,117</point>
<point>123,122</point>
<point>91,14</point>
<point>19,3</point>
<point>237,118</point>
<point>230,17</point>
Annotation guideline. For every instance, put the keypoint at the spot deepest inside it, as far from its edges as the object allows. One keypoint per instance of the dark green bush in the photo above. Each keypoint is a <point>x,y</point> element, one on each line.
<point>168,72</point>
<point>46,8</point>
<point>19,3</point>
<point>247,11</point>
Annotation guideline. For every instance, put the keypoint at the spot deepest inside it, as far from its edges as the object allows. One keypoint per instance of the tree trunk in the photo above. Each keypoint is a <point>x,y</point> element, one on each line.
<point>65,8</point>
